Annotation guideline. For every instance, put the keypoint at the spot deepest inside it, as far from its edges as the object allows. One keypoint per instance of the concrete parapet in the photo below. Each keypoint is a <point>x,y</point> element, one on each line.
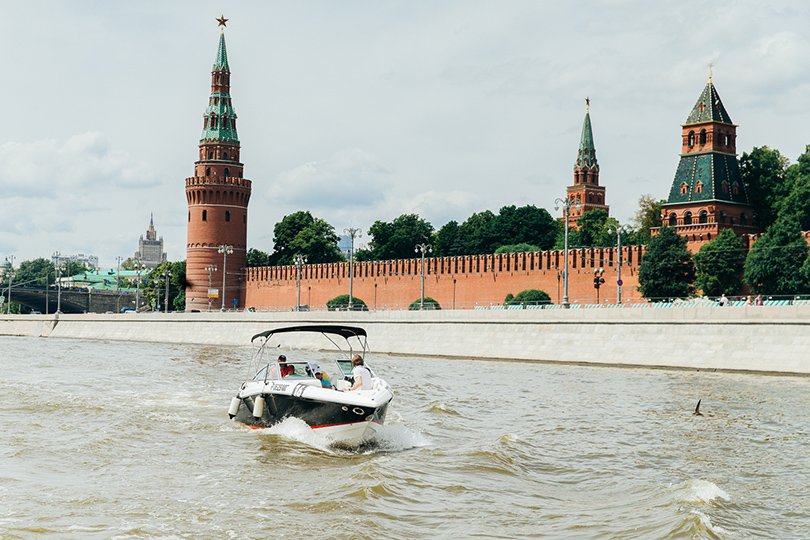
<point>770,339</point>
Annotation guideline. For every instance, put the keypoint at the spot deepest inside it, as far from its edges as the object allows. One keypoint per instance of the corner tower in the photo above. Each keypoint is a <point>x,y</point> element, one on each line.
<point>586,190</point>
<point>707,194</point>
<point>217,198</point>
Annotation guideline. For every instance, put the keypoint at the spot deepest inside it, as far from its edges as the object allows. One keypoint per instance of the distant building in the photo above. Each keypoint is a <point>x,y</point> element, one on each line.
<point>586,194</point>
<point>150,251</point>
<point>90,261</point>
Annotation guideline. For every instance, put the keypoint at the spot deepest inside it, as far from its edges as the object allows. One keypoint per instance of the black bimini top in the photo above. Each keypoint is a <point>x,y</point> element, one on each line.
<point>345,332</point>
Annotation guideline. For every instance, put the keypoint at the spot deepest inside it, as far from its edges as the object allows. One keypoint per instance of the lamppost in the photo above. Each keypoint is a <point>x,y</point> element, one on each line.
<point>566,205</point>
<point>58,269</point>
<point>139,267</point>
<point>352,232</point>
<point>619,230</point>
<point>10,278</point>
<point>300,260</point>
<point>167,274</point>
<point>597,281</point>
<point>423,248</point>
<point>210,268</point>
<point>226,250</point>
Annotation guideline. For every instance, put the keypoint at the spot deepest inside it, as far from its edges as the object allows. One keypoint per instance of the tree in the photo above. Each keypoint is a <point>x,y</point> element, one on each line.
<point>36,272</point>
<point>531,297</point>
<point>153,285</point>
<point>302,234</point>
<point>526,224</point>
<point>429,303</point>
<point>257,258</point>
<point>647,217</point>
<point>763,175</point>
<point>398,239</point>
<point>792,205</point>
<point>342,302</point>
<point>719,265</point>
<point>128,264</point>
<point>776,261</point>
<point>444,241</point>
<point>667,269</point>
<point>592,230</point>
<point>517,248</point>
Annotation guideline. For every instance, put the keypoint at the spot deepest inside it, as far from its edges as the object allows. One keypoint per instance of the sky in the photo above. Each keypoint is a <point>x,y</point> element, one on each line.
<point>364,110</point>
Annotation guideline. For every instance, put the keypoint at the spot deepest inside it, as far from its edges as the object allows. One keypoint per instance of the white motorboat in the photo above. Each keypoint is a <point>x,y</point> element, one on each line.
<point>279,388</point>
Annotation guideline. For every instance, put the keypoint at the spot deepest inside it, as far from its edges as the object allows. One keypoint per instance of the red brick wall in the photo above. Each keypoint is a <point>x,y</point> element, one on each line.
<point>452,281</point>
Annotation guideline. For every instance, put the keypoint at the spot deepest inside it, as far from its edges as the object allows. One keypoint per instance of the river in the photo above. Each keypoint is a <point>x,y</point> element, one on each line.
<point>117,440</point>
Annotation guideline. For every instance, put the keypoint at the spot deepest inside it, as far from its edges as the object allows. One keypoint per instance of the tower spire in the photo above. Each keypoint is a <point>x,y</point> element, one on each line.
<point>586,191</point>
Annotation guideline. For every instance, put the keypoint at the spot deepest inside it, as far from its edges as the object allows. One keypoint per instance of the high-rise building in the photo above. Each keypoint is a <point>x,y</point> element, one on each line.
<point>217,197</point>
<point>586,191</point>
<point>150,250</point>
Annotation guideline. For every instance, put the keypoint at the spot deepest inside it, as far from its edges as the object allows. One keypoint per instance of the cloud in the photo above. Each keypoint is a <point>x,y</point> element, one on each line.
<point>348,178</point>
<point>85,162</point>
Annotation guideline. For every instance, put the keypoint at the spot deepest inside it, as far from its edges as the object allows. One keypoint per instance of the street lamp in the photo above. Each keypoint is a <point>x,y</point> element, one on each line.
<point>352,232</point>
<point>226,250</point>
<point>167,274</point>
<point>619,230</point>
<point>300,260</point>
<point>139,267</point>
<point>210,268</point>
<point>10,278</point>
<point>423,248</point>
<point>566,205</point>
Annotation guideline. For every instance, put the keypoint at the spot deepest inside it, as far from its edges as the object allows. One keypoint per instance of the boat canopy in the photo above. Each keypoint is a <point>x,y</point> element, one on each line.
<point>345,332</point>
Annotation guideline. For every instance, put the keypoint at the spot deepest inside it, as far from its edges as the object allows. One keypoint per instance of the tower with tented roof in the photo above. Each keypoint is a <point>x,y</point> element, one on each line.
<point>586,191</point>
<point>217,197</point>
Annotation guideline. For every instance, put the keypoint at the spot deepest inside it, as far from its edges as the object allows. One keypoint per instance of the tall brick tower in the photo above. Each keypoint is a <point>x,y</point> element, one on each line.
<point>707,193</point>
<point>586,190</point>
<point>217,199</point>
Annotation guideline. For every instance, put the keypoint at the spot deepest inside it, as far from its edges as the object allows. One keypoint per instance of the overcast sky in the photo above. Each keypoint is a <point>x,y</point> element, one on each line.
<point>365,110</point>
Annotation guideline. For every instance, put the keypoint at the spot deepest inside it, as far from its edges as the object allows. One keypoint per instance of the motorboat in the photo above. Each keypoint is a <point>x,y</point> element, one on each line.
<point>280,388</point>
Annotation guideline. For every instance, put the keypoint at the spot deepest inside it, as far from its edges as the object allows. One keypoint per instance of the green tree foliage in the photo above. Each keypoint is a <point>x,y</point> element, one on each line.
<point>763,173</point>
<point>342,303</point>
<point>445,240</point>
<point>474,234</point>
<point>35,272</point>
<point>776,262</point>
<point>719,265</point>
<point>302,234</point>
<point>793,206</point>
<point>517,248</point>
<point>398,239</point>
<point>257,258</point>
<point>667,270</point>
<point>429,303</point>
<point>128,264</point>
<point>528,297</point>
<point>647,217</point>
<point>153,286</point>
<point>485,232</point>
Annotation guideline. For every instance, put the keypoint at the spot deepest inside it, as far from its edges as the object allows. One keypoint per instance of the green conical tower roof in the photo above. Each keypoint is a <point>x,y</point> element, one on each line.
<point>221,63</point>
<point>708,108</point>
<point>220,117</point>
<point>586,156</point>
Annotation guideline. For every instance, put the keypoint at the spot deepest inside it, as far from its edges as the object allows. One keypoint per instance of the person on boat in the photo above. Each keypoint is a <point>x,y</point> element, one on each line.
<point>361,374</point>
<point>321,376</point>
<point>286,369</point>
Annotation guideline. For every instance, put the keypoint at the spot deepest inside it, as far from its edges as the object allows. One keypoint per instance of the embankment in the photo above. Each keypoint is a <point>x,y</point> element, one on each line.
<point>770,339</point>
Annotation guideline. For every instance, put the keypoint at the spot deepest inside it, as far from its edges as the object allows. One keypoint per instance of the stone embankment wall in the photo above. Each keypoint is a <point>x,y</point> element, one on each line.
<point>452,281</point>
<point>770,339</point>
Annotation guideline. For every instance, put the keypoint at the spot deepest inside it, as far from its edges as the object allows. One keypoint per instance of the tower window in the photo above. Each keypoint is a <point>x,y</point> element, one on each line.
<point>702,137</point>
<point>673,219</point>
<point>227,173</point>
<point>724,187</point>
<point>684,188</point>
<point>699,187</point>
<point>687,218</point>
<point>225,155</point>
<point>208,171</point>
<point>189,216</point>
<point>704,217</point>
<point>205,215</point>
<point>691,139</point>
<point>244,218</point>
<point>210,154</point>
<point>734,188</point>
<point>227,215</point>
<point>722,218</point>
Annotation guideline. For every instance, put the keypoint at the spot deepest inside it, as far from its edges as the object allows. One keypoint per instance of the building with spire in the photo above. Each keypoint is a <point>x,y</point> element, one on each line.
<point>586,191</point>
<point>707,194</point>
<point>150,251</point>
<point>217,196</point>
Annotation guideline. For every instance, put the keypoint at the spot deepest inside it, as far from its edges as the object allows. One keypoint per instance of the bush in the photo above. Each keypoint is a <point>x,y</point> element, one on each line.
<point>528,297</point>
<point>430,303</point>
<point>341,303</point>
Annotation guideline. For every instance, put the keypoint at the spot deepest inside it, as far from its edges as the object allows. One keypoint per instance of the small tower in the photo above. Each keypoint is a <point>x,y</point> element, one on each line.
<point>217,198</point>
<point>707,194</point>
<point>586,191</point>
<point>150,251</point>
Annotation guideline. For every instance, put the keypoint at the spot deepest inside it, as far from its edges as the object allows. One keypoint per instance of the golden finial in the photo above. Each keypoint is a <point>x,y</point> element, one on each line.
<point>711,65</point>
<point>222,20</point>
<point>587,105</point>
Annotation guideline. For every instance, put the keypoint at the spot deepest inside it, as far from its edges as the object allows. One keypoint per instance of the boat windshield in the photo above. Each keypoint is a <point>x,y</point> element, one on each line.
<point>287,370</point>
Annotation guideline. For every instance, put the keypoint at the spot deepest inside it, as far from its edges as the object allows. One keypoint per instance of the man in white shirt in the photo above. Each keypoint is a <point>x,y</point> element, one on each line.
<point>361,374</point>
